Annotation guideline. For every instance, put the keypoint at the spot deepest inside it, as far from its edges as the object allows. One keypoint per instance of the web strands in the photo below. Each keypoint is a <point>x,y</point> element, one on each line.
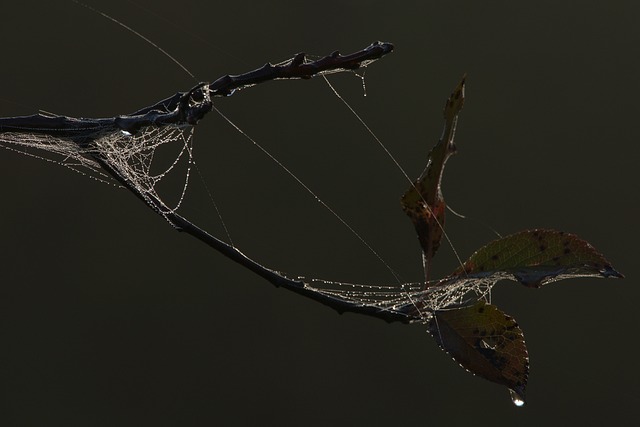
<point>64,151</point>
<point>131,156</point>
<point>409,300</point>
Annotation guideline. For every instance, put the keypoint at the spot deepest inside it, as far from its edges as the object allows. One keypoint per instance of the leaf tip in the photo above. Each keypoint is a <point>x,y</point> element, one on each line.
<point>455,102</point>
<point>609,271</point>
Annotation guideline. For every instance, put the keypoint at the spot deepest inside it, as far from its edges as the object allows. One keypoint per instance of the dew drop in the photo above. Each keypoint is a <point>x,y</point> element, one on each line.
<point>364,84</point>
<point>516,399</point>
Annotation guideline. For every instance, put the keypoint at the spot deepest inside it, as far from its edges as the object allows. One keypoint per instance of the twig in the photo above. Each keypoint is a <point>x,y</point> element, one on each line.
<point>189,107</point>
<point>274,277</point>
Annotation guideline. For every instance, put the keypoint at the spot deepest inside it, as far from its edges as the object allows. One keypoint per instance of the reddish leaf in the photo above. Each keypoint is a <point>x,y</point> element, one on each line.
<point>486,342</point>
<point>423,201</point>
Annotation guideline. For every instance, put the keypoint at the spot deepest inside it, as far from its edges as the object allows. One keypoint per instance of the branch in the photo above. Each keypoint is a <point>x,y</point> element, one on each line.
<point>189,107</point>
<point>274,277</point>
<point>279,280</point>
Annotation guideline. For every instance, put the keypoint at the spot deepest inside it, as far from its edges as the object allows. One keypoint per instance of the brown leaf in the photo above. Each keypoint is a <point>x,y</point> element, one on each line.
<point>486,342</point>
<point>423,201</point>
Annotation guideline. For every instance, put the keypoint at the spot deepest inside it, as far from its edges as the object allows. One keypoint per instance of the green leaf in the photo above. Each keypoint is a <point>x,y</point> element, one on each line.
<point>537,257</point>
<point>486,342</point>
<point>423,201</point>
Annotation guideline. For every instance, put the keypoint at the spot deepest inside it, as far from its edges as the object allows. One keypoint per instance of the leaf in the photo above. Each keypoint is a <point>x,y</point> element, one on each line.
<point>537,257</point>
<point>486,342</point>
<point>423,201</point>
<point>480,337</point>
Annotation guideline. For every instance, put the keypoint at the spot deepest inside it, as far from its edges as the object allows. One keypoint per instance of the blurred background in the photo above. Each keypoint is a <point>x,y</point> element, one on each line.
<point>109,317</point>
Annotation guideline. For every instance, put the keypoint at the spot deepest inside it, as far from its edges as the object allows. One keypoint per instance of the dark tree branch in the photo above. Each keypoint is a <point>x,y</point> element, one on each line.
<point>279,280</point>
<point>274,277</point>
<point>191,106</point>
<point>187,108</point>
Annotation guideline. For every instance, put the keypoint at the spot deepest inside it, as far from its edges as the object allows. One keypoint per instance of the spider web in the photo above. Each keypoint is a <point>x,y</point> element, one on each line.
<point>132,156</point>
<point>410,300</point>
<point>135,159</point>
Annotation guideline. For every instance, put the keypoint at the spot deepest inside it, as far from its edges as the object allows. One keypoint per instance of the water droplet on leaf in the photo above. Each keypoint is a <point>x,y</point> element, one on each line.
<point>516,399</point>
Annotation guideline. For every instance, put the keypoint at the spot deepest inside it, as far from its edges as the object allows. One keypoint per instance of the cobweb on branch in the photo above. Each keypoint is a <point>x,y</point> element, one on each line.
<point>135,160</point>
<point>133,156</point>
<point>62,151</point>
<point>409,299</point>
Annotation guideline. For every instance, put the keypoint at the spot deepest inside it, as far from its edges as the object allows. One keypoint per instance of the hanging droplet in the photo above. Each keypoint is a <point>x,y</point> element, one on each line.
<point>516,398</point>
<point>364,84</point>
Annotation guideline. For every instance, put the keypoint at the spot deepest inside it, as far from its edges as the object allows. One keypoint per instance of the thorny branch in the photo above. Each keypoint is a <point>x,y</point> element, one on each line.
<point>189,107</point>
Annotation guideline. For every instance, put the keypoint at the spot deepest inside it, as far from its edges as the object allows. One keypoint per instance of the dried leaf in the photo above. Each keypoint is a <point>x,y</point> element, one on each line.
<point>486,342</point>
<point>423,201</point>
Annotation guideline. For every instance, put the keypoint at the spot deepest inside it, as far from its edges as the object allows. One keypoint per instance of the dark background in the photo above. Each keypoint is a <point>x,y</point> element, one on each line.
<point>109,317</point>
